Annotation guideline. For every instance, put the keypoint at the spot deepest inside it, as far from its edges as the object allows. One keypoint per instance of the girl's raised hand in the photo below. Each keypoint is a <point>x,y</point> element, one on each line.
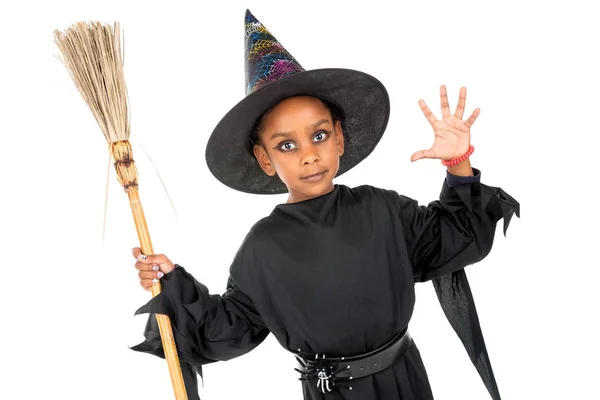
<point>452,134</point>
<point>151,267</point>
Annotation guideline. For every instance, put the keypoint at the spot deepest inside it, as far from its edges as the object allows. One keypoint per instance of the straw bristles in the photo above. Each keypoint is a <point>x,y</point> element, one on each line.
<point>92,54</point>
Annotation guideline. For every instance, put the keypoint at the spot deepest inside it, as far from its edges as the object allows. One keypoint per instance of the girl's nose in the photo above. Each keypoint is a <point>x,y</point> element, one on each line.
<point>310,156</point>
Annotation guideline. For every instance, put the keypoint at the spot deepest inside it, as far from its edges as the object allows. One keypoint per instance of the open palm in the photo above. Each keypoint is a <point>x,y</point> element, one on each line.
<point>452,134</point>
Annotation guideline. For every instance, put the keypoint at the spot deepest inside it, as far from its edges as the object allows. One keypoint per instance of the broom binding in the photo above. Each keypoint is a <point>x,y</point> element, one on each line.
<point>124,164</point>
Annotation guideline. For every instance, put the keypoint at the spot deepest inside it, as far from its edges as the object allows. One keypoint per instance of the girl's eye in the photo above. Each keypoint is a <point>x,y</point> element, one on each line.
<point>287,146</point>
<point>321,136</point>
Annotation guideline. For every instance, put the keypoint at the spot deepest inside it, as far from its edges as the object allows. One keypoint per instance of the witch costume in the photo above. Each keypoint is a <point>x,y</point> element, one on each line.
<point>332,277</point>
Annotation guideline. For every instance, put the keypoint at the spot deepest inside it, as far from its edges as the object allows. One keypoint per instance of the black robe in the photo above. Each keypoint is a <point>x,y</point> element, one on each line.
<point>335,275</point>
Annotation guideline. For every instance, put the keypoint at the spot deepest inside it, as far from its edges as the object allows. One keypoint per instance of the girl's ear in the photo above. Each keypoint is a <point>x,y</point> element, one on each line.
<point>339,138</point>
<point>263,160</point>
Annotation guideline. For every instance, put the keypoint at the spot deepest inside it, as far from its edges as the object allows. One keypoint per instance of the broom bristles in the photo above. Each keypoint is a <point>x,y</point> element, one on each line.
<point>92,53</point>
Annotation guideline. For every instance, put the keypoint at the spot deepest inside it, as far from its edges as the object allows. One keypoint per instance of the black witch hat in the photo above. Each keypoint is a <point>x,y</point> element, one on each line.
<point>273,74</point>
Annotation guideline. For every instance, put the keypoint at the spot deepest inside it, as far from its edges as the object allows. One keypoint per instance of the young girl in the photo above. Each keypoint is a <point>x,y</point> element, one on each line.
<point>331,272</point>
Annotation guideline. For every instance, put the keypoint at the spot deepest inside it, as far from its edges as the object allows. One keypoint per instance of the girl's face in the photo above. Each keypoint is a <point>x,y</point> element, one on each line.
<point>300,143</point>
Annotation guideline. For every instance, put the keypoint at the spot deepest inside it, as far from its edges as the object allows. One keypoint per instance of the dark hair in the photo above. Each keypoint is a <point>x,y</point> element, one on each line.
<point>336,115</point>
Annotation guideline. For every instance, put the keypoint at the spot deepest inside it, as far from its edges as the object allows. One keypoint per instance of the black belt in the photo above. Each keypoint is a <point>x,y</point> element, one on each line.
<point>330,372</point>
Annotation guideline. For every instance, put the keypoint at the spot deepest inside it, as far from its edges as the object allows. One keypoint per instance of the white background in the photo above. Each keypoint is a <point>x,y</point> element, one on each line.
<point>68,297</point>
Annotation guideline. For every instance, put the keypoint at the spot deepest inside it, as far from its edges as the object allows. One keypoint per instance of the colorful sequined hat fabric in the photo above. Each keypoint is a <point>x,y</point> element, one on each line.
<point>272,75</point>
<point>266,59</point>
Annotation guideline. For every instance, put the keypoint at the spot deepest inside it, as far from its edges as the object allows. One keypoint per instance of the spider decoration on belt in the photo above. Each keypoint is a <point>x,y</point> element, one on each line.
<point>323,371</point>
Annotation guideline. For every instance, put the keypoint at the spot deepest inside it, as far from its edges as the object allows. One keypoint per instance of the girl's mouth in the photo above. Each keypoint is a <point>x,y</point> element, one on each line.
<point>314,177</point>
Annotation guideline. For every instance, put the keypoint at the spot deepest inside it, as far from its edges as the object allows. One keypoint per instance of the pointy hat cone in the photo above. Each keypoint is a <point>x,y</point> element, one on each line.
<point>266,59</point>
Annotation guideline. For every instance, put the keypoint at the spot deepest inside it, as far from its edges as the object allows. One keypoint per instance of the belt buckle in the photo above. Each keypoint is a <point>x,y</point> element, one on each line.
<point>320,369</point>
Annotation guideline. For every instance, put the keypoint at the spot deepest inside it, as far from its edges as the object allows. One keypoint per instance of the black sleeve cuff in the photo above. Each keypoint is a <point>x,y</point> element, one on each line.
<point>455,180</point>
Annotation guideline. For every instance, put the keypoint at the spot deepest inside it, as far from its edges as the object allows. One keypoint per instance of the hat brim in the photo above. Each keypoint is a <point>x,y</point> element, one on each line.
<point>362,98</point>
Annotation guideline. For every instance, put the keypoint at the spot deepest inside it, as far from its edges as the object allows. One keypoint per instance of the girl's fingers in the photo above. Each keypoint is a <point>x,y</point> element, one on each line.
<point>427,112</point>
<point>444,101</point>
<point>149,259</point>
<point>148,283</point>
<point>460,107</point>
<point>136,252</point>
<point>150,267</point>
<point>154,259</point>
<point>149,275</point>
<point>472,118</point>
<point>423,154</point>
<point>140,266</point>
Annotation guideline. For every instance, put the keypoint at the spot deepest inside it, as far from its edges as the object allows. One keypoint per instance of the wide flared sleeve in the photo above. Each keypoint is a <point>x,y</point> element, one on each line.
<point>458,229</point>
<point>449,234</point>
<point>207,327</point>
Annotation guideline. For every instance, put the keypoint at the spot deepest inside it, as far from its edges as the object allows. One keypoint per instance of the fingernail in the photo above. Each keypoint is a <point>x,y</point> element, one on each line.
<point>142,257</point>
<point>155,268</point>
<point>154,281</point>
<point>160,274</point>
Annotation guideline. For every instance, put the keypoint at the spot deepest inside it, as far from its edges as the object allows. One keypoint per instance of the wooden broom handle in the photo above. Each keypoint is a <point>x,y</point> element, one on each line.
<point>164,324</point>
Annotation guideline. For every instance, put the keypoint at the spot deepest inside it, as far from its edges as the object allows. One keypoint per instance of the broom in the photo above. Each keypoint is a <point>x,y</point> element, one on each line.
<point>92,54</point>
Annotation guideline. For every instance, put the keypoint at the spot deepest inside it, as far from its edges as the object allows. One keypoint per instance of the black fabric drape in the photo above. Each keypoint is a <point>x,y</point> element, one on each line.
<point>336,275</point>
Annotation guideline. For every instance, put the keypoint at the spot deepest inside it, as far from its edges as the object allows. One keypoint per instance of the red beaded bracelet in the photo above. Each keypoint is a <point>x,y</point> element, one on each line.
<point>450,163</point>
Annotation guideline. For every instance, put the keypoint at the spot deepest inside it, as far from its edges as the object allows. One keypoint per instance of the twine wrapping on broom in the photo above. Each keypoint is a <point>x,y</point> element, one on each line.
<point>93,56</point>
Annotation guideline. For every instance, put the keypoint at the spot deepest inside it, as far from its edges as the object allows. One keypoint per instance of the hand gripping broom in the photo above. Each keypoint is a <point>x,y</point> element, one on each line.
<point>92,54</point>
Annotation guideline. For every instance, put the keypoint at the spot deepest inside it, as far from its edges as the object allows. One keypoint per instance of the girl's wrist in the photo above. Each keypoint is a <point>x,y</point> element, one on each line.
<point>462,169</point>
<point>459,159</point>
